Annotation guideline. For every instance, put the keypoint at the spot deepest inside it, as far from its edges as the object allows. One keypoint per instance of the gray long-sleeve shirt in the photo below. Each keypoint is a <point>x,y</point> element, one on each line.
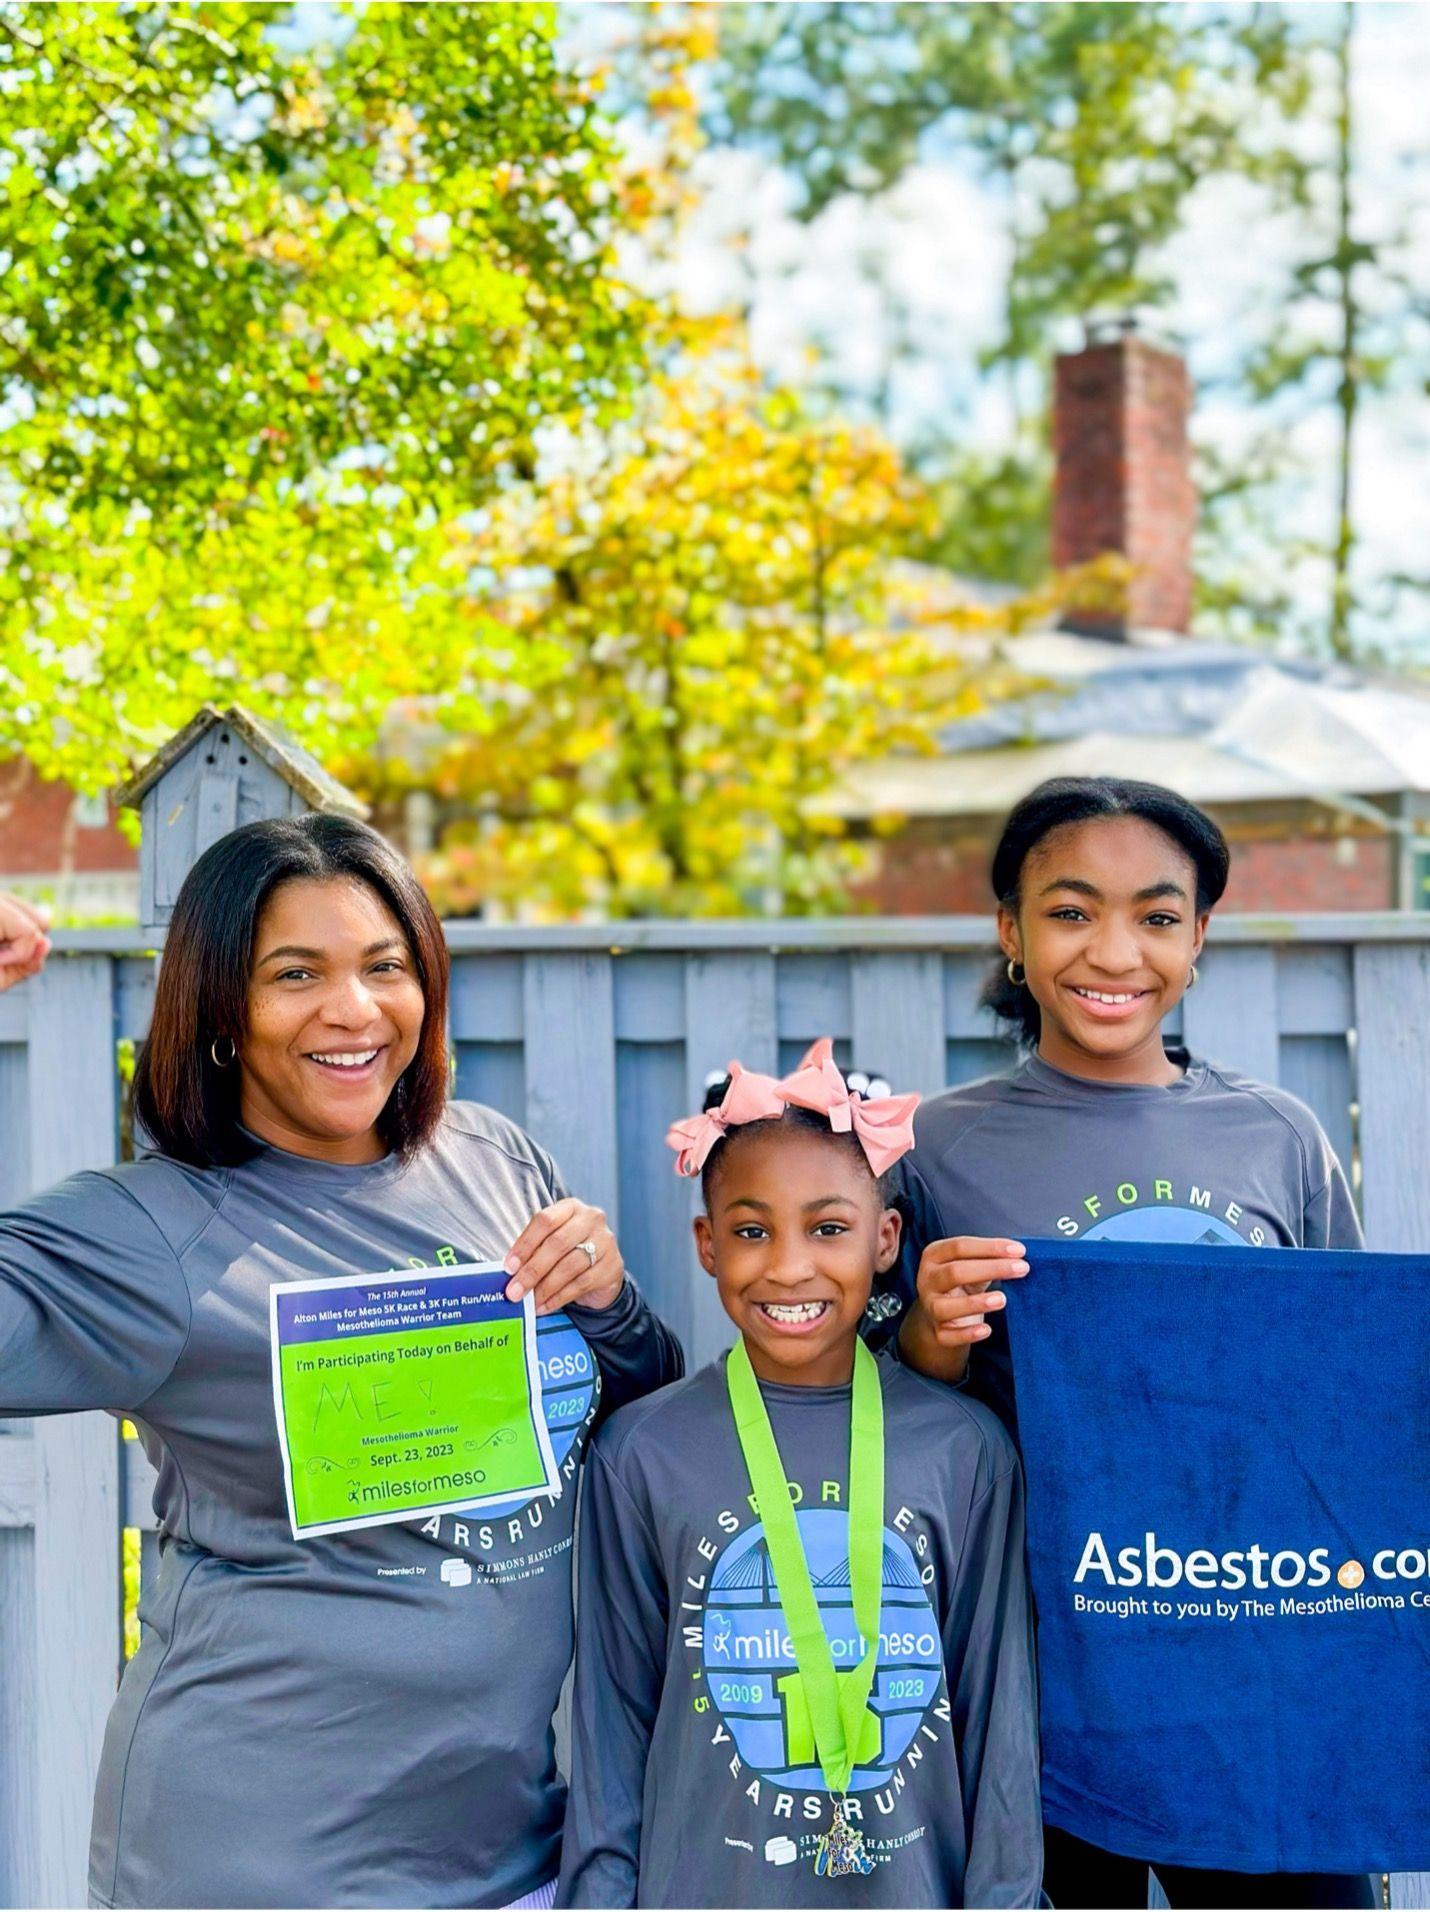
<point>694,1780</point>
<point>334,1720</point>
<point>1213,1157</point>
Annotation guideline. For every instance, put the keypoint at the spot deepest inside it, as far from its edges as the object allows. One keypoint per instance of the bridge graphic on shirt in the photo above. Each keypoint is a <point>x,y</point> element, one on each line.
<point>1165,1223</point>
<point>749,1663</point>
<point>755,1569</point>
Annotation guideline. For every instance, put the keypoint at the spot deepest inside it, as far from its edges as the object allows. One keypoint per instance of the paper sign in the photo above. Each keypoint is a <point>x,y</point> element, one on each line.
<point>400,1396</point>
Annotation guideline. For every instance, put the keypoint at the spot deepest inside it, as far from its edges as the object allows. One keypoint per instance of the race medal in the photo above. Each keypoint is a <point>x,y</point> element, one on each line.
<point>838,1702</point>
<point>841,1849</point>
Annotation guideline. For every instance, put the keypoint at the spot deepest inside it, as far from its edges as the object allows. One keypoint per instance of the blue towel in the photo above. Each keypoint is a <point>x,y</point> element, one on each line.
<point>1227,1452</point>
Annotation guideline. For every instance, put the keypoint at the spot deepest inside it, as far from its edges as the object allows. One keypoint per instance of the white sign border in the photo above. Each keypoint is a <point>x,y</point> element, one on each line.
<point>409,1515</point>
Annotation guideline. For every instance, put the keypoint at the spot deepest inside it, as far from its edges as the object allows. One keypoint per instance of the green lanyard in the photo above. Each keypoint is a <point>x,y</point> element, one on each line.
<point>837,1703</point>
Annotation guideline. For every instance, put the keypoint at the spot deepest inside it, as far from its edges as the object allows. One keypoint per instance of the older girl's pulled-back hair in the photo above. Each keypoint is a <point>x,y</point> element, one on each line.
<point>187,1103</point>
<point>1065,800</point>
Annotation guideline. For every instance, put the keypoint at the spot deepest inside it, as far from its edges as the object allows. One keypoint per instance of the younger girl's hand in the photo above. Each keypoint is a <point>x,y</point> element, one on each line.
<point>548,1259</point>
<point>955,1285</point>
<point>24,942</point>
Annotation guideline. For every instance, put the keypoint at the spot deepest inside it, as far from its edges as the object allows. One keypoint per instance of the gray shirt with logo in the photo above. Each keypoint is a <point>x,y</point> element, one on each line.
<point>353,1719</point>
<point>694,1777</point>
<point>1214,1157</point>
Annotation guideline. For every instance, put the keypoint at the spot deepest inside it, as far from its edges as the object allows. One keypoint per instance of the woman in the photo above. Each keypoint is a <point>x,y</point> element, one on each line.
<point>1104,890</point>
<point>361,1718</point>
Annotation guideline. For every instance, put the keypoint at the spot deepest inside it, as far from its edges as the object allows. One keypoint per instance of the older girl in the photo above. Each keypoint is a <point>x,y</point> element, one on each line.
<point>1102,1129</point>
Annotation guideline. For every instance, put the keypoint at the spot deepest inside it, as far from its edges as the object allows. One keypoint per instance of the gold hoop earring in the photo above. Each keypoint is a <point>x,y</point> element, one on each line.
<point>1010,966</point>
<point>221,1062</point>
<point>1192,977</point>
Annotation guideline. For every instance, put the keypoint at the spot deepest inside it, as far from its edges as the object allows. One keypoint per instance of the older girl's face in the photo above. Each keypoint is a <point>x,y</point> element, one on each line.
<point>1107,930</point>
<point>335,1014</point>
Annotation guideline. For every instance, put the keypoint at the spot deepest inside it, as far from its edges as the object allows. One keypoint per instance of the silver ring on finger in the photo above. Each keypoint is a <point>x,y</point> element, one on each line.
<point>590,1251</point>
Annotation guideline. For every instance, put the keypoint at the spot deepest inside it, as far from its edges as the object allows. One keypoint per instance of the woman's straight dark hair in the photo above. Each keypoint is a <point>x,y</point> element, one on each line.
<point>184,1100</point>
<point>1064,800</point>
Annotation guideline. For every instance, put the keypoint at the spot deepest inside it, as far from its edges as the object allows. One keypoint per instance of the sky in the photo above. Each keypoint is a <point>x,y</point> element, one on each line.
<point>815,291</point>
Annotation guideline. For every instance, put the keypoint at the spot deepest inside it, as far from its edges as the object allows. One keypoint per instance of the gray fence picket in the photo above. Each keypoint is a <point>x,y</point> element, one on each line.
<point>1318,1069</point>
<point>17,1476</point>
<point>21,1873</point>
<point>1314,991</point>
<point>486,1022</point>
<point>733,1003</point>
<point>78,1504</point>
<point>15,1181</point>
<point>135,980</point>
<point>571,1070</point>
<point>898,1014</point>
<point>655,1206</point>
<point>488,1000</point>
<point>812,998</point>
<point>1392,1003</point>
<point>976,1043</point>
<point>1393,1066</point>
<point>19,1854</point>
<point>1230,1015</point>
<point>650,998</point>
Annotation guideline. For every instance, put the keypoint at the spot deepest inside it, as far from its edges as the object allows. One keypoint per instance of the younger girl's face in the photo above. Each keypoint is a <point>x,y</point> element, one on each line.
<point>1107,930</point>
<point>796,1234</point>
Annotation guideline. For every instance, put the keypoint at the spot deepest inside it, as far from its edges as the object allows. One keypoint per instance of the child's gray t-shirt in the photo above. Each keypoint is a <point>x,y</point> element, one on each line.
<point>693,1777</point>
<point>333,1720</point>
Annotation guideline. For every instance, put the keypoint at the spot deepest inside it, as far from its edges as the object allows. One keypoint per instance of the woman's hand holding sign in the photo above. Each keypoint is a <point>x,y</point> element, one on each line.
<point>566,1253</point>
<point>24,939</point>
<point>955,1295</point>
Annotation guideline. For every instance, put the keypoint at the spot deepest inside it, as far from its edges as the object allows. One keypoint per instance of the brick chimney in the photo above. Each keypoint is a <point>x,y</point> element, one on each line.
<point>1123,478</point>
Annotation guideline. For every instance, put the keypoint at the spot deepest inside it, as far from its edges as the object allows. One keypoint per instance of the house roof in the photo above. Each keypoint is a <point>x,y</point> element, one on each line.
<point>269,742</point>
<point>1222,723</point>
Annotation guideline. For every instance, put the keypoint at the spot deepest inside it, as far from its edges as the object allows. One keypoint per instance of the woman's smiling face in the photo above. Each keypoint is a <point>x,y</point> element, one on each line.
<point>335,1012</point>
<point>1107,929</point>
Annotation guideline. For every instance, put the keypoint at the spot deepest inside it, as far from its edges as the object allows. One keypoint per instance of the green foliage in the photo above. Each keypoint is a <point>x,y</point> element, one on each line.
<point>1095,121</point>
<point>230,259</point>
<point>696,627</point>
<point>277,309</point>
<point>993,514</point>
<point>1093,124</point>
<point>1349,321</point>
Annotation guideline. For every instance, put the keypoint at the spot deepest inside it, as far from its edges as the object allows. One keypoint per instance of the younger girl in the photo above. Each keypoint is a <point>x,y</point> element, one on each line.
<point>804,1665</point>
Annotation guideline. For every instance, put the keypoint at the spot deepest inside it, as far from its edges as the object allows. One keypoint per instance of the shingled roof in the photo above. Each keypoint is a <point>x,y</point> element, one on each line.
<point>269,742</point>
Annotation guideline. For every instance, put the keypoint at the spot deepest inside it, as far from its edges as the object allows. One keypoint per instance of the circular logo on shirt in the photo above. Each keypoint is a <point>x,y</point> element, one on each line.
<point>1350,1573</point>
<point>749,1664</point>
<point>1165,1223</point>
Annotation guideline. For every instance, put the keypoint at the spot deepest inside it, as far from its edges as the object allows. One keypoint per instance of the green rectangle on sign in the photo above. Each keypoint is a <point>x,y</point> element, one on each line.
<point>401,1395</point>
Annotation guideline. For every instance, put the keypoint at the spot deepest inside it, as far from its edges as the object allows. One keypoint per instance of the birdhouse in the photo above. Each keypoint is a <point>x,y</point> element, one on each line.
<point>223,769</point>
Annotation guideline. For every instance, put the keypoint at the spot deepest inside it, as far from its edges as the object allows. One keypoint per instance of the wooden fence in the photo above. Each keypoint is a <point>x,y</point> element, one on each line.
<point>595,1038</point>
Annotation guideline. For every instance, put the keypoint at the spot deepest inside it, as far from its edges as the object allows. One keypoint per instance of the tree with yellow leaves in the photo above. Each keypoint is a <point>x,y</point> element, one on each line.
<point>691,627</point>
<point>312,350</point>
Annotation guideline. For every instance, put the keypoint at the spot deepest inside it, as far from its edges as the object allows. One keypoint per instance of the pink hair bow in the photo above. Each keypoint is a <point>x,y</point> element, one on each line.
<point>749,1098</point>
<point>883,1125</point>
